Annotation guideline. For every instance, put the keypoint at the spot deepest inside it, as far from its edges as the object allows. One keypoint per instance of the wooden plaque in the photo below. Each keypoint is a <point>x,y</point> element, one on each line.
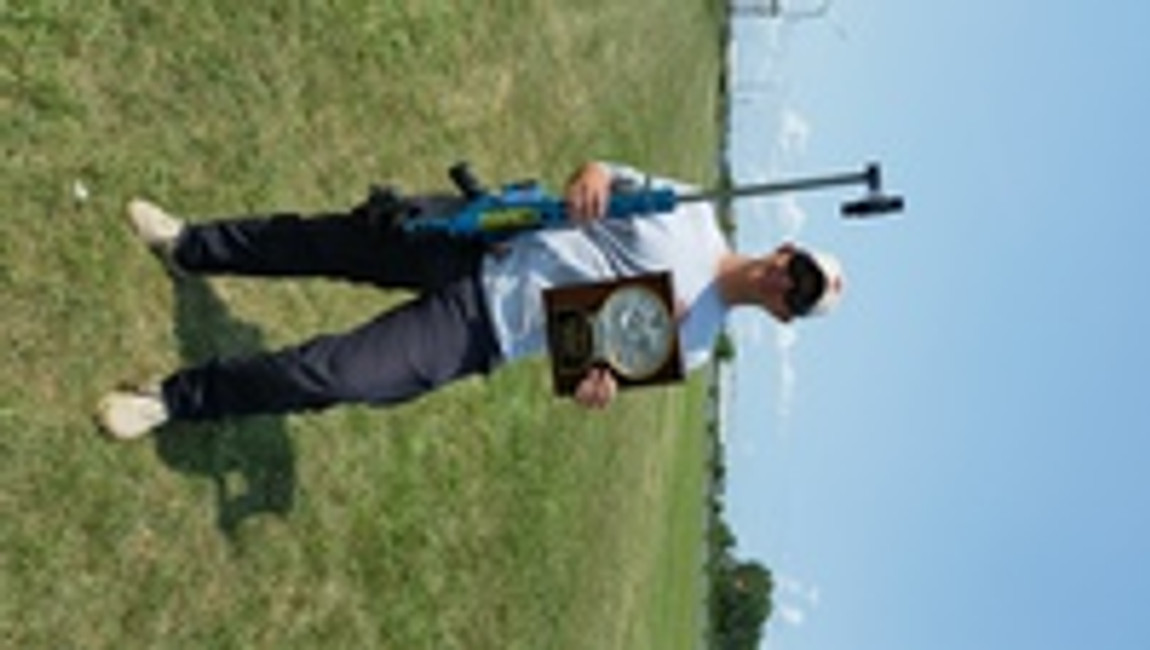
<point>571,332</point>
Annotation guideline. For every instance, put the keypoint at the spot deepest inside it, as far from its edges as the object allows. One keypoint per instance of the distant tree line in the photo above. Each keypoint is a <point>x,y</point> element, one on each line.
<point>741,590</point>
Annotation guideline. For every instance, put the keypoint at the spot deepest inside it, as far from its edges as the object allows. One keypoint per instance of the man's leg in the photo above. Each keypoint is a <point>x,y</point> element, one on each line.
<point>360,246</point>
<point>403,353</point>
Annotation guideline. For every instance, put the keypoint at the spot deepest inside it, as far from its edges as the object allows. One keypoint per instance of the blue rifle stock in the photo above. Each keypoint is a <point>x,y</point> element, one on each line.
<point>523,206</point>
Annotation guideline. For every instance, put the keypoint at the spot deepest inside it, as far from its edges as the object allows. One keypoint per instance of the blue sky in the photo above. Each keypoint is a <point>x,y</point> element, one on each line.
<point>959,458</point>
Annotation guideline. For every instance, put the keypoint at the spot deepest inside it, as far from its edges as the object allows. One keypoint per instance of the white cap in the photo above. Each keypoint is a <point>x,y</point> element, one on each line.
<point>832,271</point>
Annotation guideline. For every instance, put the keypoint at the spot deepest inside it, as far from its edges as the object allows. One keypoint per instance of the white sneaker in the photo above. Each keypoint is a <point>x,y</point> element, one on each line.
<point>129,414</point>
<point>156,228</point>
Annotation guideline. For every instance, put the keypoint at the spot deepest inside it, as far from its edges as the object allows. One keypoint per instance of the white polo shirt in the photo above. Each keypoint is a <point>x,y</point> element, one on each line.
<point>686,242</point>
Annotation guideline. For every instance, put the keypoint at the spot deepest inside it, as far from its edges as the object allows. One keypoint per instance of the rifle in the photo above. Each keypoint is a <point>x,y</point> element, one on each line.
<point>526,205</point>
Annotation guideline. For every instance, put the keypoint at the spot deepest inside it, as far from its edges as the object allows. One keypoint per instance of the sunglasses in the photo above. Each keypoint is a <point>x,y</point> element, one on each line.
<point>807,284</point>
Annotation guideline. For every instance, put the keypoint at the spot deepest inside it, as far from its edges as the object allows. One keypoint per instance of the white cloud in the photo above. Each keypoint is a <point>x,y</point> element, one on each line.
<point>790,216</point>
<point>794,131</point>
<point>793,588</point>
<point>795,600</point>
<point>786,338</point>
<point>791,615</point>
<point>752,332</point>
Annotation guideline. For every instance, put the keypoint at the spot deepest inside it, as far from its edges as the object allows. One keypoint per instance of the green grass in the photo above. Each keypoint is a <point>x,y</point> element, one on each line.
<point>485,516</point>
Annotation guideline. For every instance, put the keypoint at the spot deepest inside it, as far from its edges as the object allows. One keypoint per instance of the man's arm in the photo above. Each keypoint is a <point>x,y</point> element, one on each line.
<point>587,193</point>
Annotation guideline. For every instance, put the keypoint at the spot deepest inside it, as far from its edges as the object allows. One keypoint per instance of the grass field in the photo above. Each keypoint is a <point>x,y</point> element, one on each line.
<point>485,516</point>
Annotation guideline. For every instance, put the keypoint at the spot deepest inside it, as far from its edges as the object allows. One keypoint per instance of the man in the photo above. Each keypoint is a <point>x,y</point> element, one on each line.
<point>475,307</point>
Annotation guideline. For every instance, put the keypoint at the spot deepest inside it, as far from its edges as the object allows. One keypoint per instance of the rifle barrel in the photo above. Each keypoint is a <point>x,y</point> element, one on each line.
<point>779,187</point>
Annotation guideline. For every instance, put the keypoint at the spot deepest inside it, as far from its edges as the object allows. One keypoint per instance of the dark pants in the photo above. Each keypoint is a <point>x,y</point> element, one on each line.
<point>442,334</point>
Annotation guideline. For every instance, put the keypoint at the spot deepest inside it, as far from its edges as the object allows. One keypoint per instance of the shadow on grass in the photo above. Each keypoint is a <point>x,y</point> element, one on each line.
<point>251,461</point>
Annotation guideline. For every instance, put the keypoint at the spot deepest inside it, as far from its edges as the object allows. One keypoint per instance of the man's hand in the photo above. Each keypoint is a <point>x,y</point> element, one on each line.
<point>588,192</point>
<point>597,389</point>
